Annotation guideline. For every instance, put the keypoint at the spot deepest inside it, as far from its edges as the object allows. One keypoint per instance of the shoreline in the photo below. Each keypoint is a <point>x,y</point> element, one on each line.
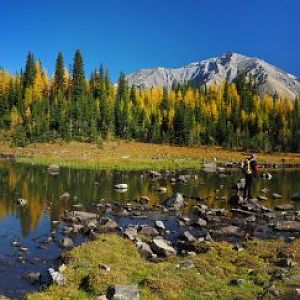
<point>123,155</point>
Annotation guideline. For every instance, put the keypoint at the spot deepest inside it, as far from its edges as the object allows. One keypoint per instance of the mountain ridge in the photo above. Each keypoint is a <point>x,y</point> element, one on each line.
<point>270,79</point>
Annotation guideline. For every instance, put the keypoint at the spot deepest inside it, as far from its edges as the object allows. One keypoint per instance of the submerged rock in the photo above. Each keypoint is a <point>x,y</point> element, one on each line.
<point>33,277</point>
<point>176,201</point>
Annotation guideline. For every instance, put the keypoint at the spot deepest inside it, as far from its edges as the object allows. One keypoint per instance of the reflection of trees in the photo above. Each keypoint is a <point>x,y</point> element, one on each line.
<point>43,190</point>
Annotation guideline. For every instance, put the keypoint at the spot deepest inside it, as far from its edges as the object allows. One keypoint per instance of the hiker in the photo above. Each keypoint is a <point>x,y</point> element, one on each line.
<point>250,169</point>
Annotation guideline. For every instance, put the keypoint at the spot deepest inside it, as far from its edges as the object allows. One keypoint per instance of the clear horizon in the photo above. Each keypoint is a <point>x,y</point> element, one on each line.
<point>141,34</point>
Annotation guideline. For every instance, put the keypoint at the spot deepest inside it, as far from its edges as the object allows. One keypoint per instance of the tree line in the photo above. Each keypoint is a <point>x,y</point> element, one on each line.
<point>68,106</point>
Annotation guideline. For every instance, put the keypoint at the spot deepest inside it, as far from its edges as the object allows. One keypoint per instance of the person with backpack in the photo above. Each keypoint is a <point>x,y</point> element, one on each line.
<point>250,168</point>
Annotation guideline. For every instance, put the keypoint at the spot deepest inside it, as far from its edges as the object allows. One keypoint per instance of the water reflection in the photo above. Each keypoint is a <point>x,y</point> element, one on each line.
<point>32,224</point>
<point>43,190</point>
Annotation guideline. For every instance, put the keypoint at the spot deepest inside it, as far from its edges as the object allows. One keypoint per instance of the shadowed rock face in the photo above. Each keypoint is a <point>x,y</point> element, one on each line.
<point>269,78</point>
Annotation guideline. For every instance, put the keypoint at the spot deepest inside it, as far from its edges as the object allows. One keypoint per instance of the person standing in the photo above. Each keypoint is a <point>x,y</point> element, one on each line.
<point>250,169</point>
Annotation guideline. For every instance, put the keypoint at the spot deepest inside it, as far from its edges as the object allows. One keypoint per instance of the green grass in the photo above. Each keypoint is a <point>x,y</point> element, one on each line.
<point>208,280</point>
<point>183,163</point>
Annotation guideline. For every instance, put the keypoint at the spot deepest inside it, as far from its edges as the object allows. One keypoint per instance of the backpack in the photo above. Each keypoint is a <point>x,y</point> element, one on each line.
<point>254,167</point>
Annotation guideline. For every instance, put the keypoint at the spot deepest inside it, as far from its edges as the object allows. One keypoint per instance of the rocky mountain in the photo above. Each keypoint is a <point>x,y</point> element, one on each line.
<point>270,79</point>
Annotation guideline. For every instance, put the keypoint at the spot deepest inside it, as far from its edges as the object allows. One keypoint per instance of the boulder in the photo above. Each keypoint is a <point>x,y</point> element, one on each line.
<point>176,201</point>
<point>201,222</point>
<point>277,196</point>
<point>144,249</point>
<point>123,292</point>
<point>57,277</point>
<point>148,231</point>
<point>83,216</point>
<point>160,225</point>
<point>187,236</point>
<point>67,243</point>
<point>121,186</point>
<point>130,232</point>
<point>161,247</point>
<point>288,226</point>
<point>229,231</point>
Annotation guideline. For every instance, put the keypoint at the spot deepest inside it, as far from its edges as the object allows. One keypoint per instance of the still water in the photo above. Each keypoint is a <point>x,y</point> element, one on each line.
<point>32,224</point>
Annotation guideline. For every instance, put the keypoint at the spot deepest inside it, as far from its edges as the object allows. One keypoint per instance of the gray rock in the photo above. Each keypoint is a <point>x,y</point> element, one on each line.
<point>123,292</point>
<point>160,225</point>
<point>229,231</point>
<point>288,226</point>
<point>67,243</point>
<point>176,201</point>
<point>130,232</point>
<point>201,222</point>
<point>83,216</point>
<point>285,207</point>
<point>186,265</point>
<point>188,237</point>
<point>148,231</point>
<point>161,247</point>
<point>145,249</point>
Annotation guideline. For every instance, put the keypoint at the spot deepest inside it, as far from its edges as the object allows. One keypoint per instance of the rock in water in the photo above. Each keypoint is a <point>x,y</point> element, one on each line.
<point>123,292</point>
<point>296,196</point>
<point>160,246</point>
<point>288,226</point>
<point>53,169</point>
<point>67,243</point>
<point>176,201</point>
<point>22,202</point>
<point>121,186</point>
<point>33,277</point>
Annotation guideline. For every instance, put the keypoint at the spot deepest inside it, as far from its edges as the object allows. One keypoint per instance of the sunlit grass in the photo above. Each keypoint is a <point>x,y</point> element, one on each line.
<point>210,279</point>
<point>123,155</point>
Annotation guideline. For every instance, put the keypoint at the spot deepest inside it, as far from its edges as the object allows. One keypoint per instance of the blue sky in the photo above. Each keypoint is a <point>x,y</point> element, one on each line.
<point>126,35</point>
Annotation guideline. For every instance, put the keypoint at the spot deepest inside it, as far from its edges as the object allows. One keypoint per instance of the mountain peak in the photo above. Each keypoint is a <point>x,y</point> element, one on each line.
<point>228,66</point>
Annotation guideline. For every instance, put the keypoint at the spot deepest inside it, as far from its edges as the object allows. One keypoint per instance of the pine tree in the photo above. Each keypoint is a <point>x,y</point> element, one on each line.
<point>30,71</point>
<point>59,75</point>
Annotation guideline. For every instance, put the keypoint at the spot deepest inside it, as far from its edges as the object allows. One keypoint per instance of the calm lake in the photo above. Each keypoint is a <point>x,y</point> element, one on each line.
<point>32,225</point>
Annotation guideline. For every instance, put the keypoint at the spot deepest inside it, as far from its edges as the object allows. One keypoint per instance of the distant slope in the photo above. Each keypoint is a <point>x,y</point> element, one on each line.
<point>270,79</point>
